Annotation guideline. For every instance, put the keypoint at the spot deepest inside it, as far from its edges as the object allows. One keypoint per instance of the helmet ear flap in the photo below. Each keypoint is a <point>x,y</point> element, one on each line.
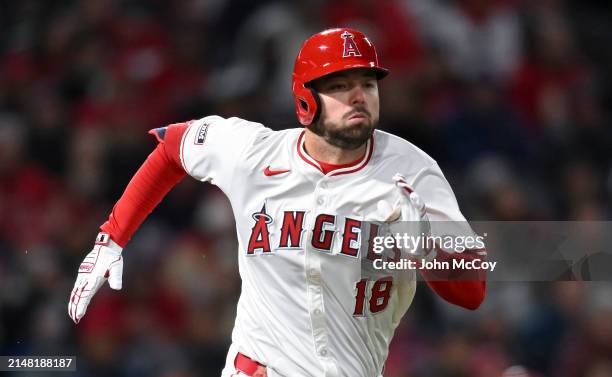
<point>307,104</point>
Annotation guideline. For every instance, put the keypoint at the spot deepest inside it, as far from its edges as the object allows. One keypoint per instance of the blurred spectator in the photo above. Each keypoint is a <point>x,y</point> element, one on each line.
<point>551,73</point>
<point>399,45</point>
<point>484,125</point>
<point>478,38</point>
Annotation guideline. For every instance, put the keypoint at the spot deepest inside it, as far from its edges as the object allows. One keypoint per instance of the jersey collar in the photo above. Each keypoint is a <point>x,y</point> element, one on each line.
<point>358,165</point>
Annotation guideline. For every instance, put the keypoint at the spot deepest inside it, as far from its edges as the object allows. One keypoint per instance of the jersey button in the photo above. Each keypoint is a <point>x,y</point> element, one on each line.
<point>317,311</point>
<point>314,276</point>
<point>320,201</point>
<point>323,352</point>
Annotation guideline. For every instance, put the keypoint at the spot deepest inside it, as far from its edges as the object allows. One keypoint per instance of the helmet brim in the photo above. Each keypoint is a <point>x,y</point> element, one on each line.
<point>334,68</point>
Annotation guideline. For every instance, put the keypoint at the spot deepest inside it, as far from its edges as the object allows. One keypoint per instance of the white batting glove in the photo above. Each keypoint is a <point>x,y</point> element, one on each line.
<point>102,263</point>
<point>409,214</point>
<point>409,207</point>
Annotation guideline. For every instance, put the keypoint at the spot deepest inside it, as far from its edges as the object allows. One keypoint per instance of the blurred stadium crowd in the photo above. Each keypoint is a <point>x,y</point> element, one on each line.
<point>508,95</point>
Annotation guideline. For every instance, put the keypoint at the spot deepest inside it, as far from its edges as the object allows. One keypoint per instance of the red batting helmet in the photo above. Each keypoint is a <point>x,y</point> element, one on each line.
<point>327,52</point>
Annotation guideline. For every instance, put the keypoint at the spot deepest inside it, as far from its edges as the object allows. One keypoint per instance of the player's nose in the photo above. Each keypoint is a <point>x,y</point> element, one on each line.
<point>357,95</point>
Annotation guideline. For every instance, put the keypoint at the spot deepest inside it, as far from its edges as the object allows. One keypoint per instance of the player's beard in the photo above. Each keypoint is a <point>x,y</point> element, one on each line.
<point>343,136</point>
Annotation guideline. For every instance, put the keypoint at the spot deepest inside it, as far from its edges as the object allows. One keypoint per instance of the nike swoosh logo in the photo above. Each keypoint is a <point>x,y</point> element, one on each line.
<point>269,173</point>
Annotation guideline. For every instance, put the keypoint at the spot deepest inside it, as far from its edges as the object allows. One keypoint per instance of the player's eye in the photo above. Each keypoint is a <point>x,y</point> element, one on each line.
<point>370,84</point>
<point>337,86</point>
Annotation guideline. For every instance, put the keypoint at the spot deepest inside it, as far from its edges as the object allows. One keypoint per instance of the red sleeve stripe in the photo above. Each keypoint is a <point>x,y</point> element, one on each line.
<point>161,171</point>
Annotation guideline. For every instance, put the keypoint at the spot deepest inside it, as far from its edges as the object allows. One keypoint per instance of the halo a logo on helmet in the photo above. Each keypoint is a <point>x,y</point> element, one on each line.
<point>350,47</point>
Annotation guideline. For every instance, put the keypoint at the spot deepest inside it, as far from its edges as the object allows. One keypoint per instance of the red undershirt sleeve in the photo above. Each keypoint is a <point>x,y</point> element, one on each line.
<point>467,291</point>
<point>160,172</point>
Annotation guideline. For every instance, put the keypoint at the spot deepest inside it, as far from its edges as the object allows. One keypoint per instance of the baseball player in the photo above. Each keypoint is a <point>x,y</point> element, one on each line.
<point>306,201</point>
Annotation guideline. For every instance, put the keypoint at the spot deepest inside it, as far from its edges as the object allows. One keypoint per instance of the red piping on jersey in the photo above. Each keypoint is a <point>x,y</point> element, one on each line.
<point>357,166</point>
<point>181,149</point>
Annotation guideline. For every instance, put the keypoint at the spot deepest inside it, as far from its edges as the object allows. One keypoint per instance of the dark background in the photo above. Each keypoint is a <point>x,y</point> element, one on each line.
<point>508,96</point>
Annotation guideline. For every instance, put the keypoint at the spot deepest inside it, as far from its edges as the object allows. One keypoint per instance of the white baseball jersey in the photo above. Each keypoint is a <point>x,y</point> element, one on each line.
<point>306,307</point>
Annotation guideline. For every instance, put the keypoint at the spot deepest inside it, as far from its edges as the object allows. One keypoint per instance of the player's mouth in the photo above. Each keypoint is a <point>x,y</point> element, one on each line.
<point>358,115</point>
<point>358,112</point>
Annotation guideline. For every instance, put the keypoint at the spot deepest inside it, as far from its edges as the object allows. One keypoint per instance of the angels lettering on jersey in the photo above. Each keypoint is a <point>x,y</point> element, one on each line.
<point>330,232</point>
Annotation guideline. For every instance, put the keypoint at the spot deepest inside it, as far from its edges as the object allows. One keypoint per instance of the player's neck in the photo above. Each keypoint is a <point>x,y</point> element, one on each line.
<point>319,149</point>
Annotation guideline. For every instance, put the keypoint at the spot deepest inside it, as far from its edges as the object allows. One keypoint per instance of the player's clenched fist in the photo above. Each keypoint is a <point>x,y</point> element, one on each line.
<point>103,263</point>
<point>409,206</point>
<point>409,214</point>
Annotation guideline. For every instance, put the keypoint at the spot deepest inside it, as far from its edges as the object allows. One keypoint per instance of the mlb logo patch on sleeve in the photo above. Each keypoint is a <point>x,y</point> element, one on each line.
<point>200,135</point>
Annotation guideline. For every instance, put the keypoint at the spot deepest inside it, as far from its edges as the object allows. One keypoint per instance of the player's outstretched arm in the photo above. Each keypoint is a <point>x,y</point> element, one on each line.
<point>161,171</point>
